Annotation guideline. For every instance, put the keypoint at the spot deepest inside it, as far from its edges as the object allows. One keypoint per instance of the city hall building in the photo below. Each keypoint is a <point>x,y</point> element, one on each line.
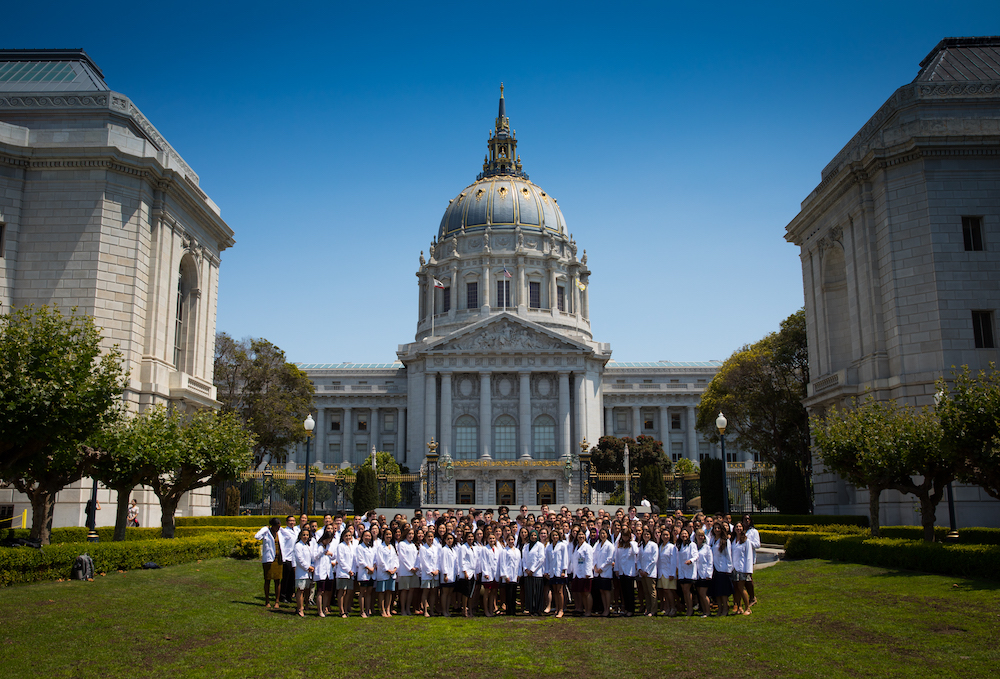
<point>504,374</point>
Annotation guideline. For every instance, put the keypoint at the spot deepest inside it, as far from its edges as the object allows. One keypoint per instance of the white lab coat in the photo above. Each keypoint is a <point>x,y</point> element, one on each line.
<point>626,559</point>
<point>705,561</point>
<point>583,561</point>
<point>687,571</point>
<point>363,558</point>
<point>666,563</point>
<point>533,559</point>
<point>345,560</point>
<point>302,557</point>
<point>648,556</point>
<point>604,558</point>
<point>267,550</point>
<point>429,558</point>
<point>448,564</point>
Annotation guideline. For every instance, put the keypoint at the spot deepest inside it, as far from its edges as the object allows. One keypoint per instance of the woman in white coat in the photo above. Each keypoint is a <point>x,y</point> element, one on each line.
<point>704,579</point>
<point>649,554</point>
<point>386,565</point>
<point>582,567</point>
<point>508,571</point>
<point>489,560</point>
<point>429,557</point>
<point>270,557</point>
<point>408,577</point>
<point>722,567</point>
<point>687,568</point>
<point>345,571</point>
<point>666,574</point>
<point>324,554</point>
<point>533,564</point>
<point>467,565</point>
<point>753,537</point>
<point>604,564</point>
<point>742,568</point>
<point>448,567</point>
<point>555,555</point>
<point>302,557</point>
<point>626,557</point>
<point>365,561</point>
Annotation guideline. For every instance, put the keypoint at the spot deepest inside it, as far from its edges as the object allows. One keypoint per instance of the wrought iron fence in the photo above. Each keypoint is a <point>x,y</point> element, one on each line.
<point>750,490</point>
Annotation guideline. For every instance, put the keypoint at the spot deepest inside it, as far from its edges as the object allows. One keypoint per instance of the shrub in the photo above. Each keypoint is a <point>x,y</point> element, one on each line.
<point>246,548</point>
<point>365,491</point>
<point>790,491</point>
<point>106,533</point>
<point>712,485</point>
<point>809,519</point>
<point>967,561</point>
<point>653,487</point>
<point>23,564</point>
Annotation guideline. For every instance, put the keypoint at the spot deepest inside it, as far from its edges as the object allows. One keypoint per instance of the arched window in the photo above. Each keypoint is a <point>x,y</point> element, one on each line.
<point>543,437</point>
<point>505,438</point>
<point>466,438</point>
<point>184,318</point>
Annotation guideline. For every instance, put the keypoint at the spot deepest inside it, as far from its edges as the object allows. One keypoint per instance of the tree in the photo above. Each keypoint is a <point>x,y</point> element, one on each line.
<point>712,485</point>
<point>56,388</point>
<point>365,491</point>
<point>194,451</point>
<point>789,492</point>
<point>970,423</point>
<point>126,444</point>
<point>880,445</point>
<point>271,396</point>
<point>608,456</point>
<point>760,389</point>
<point>651,481</point>
<point>387,465</point>
<point>685,466</point>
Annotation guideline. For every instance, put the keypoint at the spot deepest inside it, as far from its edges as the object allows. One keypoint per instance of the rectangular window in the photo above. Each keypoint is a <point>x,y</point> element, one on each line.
<point>361,453</point>
<point>535,295</point>
<point>704,452</point>
<point>647,421</point>
<point>675,420</point>
<point>334,422</point>
<point>503,293</point>
<point>465,492</point>
<point>621,421</point>
<point>334,453</point>
<point>561,297</point>
<point>505,492</point>
<point>3,238</point>
<point>982,329</point>
<point>388,448</point>
<point>676,451</point>
<point>972,233</point>
<point>446,300</point>
<point>545,492</point>
<point>362,422</point>
<point>472,295</point>
<point>389,422</point>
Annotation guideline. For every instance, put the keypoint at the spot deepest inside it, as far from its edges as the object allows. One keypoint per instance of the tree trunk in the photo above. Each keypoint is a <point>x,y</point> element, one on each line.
<point>168,507</point>
<point>121,515</point>
<point>873,509</point>
<point>928,513</point>
<point>42,504</point>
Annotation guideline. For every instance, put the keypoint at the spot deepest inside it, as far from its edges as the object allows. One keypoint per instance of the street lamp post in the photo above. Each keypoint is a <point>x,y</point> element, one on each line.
<point>92,535</point>
<point>720,424</point>
<point>584,471</point>
<point>628,489</point>
<point>309,424</point>
<point>952,536</point>
<point>269,480</point>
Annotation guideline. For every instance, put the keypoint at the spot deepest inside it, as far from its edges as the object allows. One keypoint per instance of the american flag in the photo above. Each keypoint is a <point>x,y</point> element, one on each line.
<point>506,273</point>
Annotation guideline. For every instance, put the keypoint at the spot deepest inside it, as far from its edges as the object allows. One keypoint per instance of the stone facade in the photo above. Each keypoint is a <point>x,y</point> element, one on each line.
<point>99,212</point>
<point>900,255</point>
<point>504,373</point>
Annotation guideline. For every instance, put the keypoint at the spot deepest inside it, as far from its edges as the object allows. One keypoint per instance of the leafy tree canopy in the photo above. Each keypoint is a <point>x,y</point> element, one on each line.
<point>970,422</point>
<point>760,390</point>
<point>270,395</point>
<point>608,456</point>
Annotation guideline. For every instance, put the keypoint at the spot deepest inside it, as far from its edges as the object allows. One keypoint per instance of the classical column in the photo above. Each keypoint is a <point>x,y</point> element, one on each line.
<point>581,406</point>
<point>485,419</point>
<point>585,303</point>
<point>609,421</point>
<point>565,440</point>
<point>553,290</point>
<point>576,296</point>
<point>524,414</point>
<point>484,303</point>
<point>322,450</point>
<point>522,292</point>
<point>692,451</point>
<point>373,439</point>
<point>636,422</point>
<point>401,434</point>
<point>430,296</point>
<point>347,437</point>
<point>665,429</point>
<point>430,406</point>
<point>445,414</point>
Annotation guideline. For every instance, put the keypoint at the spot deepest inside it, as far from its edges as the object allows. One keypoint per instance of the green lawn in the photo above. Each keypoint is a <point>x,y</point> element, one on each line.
<point>207,620</point>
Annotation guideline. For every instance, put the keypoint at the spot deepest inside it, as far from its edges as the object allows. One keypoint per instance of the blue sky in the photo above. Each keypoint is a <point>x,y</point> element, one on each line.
<point>678,139</point>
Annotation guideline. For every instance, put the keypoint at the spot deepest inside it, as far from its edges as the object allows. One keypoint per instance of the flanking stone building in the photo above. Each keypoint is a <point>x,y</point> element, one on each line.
<point>99,212</point>
<point>504,373</point>
<point>900,250</point>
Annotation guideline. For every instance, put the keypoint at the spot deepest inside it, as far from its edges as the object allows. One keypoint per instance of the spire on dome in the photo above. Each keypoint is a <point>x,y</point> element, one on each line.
<point>502,158</point>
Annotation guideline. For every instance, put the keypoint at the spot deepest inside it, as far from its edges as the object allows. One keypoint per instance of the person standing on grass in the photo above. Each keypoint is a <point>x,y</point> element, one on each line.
<point>287,537</point>
<point>303,557</point>
<point>583,571</point>
<point>467,564</point>
<point>488,563</point>
<point>687,568</point>
<point>408,578</point>
<point>704,579</point>
<point>386,565</point>
<point>649,554</point>
<point>345,571</point>
<point>365,566</point>
<point>429,557</point>
<point>753,537</point>
<point>324,554</point>
<point>666,574</point>
<point>556,552</point>
<point>448,567</point>
<point>604,563</point>
<point>722,567</point>
<point>532,563</point>
<point>508,569</point>
<point>742,568</point>
<point>270,557</point>
<point>626,557</point>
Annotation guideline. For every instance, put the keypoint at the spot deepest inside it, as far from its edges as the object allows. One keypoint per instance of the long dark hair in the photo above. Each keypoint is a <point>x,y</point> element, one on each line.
<point>723,535</point>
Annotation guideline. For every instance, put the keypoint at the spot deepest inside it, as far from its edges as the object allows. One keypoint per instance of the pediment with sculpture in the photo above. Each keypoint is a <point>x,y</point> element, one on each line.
<point>507,334</point>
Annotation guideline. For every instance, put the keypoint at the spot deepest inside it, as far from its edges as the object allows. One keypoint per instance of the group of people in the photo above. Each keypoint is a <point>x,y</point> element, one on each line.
<point>456,562</point>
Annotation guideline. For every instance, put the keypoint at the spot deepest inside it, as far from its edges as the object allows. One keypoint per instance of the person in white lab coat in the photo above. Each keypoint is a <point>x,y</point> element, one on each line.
<point>365,561</point>
<point>704,579</point>
<point>302,556</point>
<point>448,568</point>
<point>345,571</point>
<point>604,563</point>
<point>324,554</point>
<point>408,577</point>
<point>271,558</point>
<point>429,557</point>
<point>687,568</point>
<point>532,564</point>
<point>582,566</point>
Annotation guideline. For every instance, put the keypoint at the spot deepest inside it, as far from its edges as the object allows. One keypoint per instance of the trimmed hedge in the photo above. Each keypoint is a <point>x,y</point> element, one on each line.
<point>966,561</point>
<point>235,521</point>
<point>107,533</point>
<point>807,520</point>
<point>966,536</point>
<point>23,564</point>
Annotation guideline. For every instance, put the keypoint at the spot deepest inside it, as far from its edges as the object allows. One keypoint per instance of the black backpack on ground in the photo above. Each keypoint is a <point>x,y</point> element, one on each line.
<point>83,568</point>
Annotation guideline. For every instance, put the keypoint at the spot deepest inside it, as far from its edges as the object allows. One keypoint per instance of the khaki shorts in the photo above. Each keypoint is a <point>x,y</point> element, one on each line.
<point>408,582</point>
<point>666,583</point>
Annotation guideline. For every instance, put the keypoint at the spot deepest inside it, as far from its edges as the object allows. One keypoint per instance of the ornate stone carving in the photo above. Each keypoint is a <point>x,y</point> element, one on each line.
<point>505,335</point>
<point>836,233</point>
